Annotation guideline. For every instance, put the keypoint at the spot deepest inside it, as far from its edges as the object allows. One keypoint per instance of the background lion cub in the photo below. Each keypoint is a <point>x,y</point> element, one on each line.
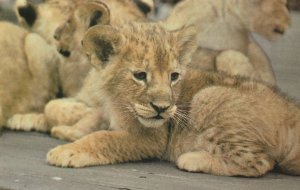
<point>224,33</point>
<point>203,122</point>
<point>66,30</point>
<point>63,23</point>
<point>28,78</point>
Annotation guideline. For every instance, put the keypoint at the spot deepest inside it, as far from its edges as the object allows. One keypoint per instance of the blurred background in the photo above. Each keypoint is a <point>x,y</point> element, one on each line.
<point>284,53</point>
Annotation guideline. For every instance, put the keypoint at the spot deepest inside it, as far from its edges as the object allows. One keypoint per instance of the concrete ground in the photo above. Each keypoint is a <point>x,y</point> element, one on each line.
<point>23,166</point>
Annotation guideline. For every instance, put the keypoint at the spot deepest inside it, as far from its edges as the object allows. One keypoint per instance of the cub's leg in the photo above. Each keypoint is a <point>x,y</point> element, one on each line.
<point>260,62</point>
<point>72,119</point>
<point>235,63</point>
<point>28,122</point>
<point>233,137</point>
<point>236,163</point>
<point>57,112</point>
<point>86,125</point>
<point>109,147</point>
<point>67,111</point>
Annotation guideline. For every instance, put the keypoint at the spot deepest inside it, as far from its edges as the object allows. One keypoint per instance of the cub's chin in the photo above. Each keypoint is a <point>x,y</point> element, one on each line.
<point>152,123</point>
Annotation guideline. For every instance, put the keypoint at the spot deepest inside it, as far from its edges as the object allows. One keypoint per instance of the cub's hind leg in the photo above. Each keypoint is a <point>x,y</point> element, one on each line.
<point>291,161</point>
<point>236,63</point>
<point>235,163</point>
<point>292,167</point>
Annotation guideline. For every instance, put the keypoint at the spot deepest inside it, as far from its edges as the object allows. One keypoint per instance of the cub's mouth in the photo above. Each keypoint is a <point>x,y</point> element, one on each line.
<point>151,117</point>
<point>152,122</point>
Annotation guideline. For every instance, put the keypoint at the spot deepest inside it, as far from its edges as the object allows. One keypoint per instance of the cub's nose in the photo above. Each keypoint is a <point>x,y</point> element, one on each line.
<point>64,52</point>
<point>159,109</point>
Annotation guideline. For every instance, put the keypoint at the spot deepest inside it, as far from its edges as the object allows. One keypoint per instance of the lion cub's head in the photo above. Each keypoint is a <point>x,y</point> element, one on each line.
<point>140,67</point>
<point>44,18</point>
<point>86,14</point>
<point>269,18</point>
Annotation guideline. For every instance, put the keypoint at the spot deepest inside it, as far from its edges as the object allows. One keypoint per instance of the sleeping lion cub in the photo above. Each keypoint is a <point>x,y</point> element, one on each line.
<point>28,79</point>
<point>157,108</point>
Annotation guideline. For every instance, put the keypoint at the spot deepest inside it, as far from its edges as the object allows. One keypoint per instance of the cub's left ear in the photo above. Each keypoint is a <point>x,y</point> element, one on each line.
<point>101,43</point>
<point>146,6</point>
<point>26,12</point>
<point>187,44</point>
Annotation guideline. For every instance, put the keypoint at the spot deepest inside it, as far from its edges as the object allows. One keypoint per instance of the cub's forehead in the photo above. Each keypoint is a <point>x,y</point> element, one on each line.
<point>151,34</point>
<point>150,44</point>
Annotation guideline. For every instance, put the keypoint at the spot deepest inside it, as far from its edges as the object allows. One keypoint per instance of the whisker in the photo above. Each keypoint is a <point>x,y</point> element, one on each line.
<point>184,119</point>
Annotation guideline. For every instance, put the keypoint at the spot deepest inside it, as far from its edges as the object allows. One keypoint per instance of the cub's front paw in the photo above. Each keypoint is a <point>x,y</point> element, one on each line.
<point>70,155</point>
<point>66,133</point>
<point>28,122</point>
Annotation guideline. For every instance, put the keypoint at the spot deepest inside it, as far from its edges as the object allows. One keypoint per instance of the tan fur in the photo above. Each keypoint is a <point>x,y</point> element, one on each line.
<point>28,73</point>
<point>206,122</point>
<point>226,25</point>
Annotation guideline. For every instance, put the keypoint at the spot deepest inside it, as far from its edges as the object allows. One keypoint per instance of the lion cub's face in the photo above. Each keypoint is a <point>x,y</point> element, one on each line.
<point>141,66</point>
<point>269,18</point>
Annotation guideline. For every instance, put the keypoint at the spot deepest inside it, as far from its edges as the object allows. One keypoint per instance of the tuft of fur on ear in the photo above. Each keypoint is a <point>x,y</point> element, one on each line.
<point>26,13</point>
<point>146,6</point>
<point>101,43</point>
<point>187,42</point>
<point>93,13</point>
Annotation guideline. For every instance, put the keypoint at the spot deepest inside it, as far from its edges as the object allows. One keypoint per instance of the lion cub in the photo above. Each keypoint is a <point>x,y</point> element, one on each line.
<point>73,20</point>
<point>28,78</point>
<point>224,33</point>
<point>204,122</point>
<point>63,23</point>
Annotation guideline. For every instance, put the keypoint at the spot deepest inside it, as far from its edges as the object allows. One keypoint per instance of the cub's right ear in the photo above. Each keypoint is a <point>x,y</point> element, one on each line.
<point>92,13</point>
<point>101,43</point>
<point>26,12</point>
<point>187,43</point>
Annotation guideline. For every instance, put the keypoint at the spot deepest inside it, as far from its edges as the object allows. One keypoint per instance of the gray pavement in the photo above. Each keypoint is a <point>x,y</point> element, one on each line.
<point>22,166</point>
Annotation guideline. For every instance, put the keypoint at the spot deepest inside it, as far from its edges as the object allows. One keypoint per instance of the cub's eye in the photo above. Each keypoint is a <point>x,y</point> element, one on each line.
<point>174,76</point>
<point>140,75</point>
